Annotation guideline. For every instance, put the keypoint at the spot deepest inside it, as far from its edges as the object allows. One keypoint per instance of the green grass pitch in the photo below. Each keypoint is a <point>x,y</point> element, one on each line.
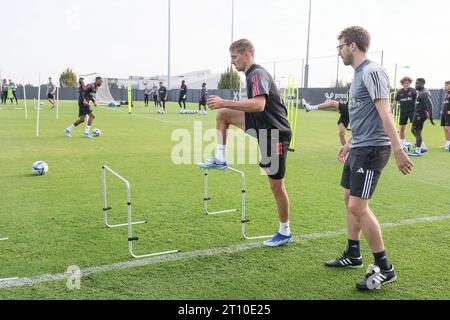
<point>56,221</point>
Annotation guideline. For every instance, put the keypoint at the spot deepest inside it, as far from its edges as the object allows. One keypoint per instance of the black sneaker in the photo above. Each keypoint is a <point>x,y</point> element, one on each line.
<point>345,262</point>
<point>376,278</point>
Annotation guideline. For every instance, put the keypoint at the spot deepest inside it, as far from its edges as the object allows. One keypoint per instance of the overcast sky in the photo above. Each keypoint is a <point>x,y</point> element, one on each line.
<point>121,38</point>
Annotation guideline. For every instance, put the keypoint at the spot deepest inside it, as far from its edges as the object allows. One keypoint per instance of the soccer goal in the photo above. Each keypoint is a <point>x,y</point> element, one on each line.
<point>130,222</point>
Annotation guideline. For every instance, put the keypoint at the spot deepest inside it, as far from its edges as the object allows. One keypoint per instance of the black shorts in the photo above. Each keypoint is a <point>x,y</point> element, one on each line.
<point>203,102</point>
<point>51,96</point>
<point>418,122</point>
<point>84,109</point>
<point>273,151</point>
<point>445,120</point>
<point>406,115</point>
<point>182,97</point>
<point>344,120</point>
<point>362,170</point>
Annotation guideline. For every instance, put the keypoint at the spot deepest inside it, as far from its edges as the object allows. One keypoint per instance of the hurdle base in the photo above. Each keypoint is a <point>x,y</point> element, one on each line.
<point>245,237</point>
<point>135,256</point>
<point>220,212</point>
<point>4,239</point>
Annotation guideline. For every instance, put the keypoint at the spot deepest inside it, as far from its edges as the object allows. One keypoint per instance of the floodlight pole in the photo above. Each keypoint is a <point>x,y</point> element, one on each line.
<point>337,72</point>
<point>307,48</point>
<point>232,28</point>
<point>169,51</point>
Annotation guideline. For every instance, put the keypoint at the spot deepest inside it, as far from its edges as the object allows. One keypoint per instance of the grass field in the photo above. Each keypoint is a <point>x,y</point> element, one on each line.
<point>56,221</point>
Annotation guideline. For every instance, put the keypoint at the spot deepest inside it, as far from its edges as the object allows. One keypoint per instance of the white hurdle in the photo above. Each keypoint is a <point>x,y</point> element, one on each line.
<point>244,219</point>
<point>130,222</point>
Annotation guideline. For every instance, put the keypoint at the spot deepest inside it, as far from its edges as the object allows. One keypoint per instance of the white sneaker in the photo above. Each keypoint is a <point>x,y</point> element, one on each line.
<point>306,105</point>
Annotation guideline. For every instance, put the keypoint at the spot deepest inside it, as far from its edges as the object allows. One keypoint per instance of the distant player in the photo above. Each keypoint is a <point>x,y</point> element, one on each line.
<point>341,107</point>
<point>81,85</point>
<point>146,95</point>
<point>263,116</point>
<point>155,94</point>
<point>183,96</point>
<point>86,97</point>
<point>365,156</point>
<point>13,88</point>
<point>51,91</point>
<point>203,98</point>
<point>162,97</point>
<point>445,120</point>
<point>407,98</point>
<point>5,87</point>
<point>423,111</point>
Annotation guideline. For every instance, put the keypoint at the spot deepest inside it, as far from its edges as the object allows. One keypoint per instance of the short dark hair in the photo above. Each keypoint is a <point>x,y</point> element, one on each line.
<point>98,78</point>
<point>406,79</point>
<point>447,82</point>
<point>358,35</point>
<point>421,80</point>
<point>243,45</point>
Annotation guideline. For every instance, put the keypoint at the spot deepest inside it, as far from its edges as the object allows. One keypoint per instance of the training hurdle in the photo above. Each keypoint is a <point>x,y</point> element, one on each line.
<point>244,219</point>
<point>130,222</point>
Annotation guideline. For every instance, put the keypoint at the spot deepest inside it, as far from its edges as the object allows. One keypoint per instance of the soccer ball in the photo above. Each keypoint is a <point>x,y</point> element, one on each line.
<point>40,168</point>
<point>97,133</point>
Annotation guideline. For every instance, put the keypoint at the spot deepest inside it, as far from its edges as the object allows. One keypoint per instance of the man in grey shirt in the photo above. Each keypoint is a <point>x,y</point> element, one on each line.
<point>51,91</point>
<point>146,94</point>
<point>365,156</point>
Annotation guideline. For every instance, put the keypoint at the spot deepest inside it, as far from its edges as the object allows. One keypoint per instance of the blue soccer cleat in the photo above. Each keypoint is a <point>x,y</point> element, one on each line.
<point>415,154</point>
<point>279,240</point>
<point>213,164</point>
<point>67,132</point>
<point>88,135</point>
<point>423,150</point>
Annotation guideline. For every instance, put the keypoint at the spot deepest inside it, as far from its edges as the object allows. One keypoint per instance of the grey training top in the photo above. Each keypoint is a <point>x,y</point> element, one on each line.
<point>370,83</point>
<point>51,88</point>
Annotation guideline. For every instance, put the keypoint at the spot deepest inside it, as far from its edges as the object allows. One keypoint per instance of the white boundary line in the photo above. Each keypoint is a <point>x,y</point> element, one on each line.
<point>194,254</point>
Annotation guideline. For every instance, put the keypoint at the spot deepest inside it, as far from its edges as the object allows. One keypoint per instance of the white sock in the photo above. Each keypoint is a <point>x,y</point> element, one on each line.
<point>221,152</point>
<point>71,128</point>
<point>419,150</point>
<point>313,108</point>
<point>88,130</point>
<point>285,229</point>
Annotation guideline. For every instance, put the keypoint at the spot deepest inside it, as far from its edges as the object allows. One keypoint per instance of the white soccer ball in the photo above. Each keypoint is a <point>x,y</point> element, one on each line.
<point>40,168</point>
<point>97,133</point>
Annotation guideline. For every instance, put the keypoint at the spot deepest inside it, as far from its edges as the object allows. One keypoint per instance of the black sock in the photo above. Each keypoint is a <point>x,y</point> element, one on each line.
<point>382,261</point>
<point>353,248</point>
